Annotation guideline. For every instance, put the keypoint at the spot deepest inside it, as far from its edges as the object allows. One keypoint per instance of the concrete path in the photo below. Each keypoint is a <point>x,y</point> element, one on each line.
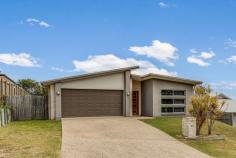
<point>119,137</point>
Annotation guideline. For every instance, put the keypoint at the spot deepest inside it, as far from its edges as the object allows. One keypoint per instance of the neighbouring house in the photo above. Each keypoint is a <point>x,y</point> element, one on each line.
<point>118,93</point>
<point>229,116</point>
<point>9,87</point>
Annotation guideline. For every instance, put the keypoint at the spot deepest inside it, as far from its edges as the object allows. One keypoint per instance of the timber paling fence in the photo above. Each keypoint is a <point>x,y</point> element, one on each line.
<point>226,118</point>
<point>27,107</point>
<point>5,116</point>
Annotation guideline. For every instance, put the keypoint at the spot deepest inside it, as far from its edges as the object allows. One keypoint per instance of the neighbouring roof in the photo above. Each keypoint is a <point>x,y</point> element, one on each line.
<point>7,78</point>
<point>230,106</point>
<point>222,96</point>
<point>4,75</point>
<point>89,75</point>
<point>166,78</point>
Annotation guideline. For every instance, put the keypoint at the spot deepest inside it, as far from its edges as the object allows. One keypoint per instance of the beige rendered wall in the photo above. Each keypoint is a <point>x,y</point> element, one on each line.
<point>128,94</point>
<point>118,81</point>
<point>137,87</point>
<point>58,100</point>
<point>147,98</point>
<point>52,102</point>
<point>158,85</point>
<point>109,82</point>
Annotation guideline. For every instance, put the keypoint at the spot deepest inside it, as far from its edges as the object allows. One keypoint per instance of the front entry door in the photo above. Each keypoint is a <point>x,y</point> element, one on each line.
<point>135,98</point>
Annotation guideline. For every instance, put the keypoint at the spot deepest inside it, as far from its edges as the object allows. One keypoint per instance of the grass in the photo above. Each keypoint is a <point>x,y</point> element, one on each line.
<point>217,148</point>
<point>33,139</point>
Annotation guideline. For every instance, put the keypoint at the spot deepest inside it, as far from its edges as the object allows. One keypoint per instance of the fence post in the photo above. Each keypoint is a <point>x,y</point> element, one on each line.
<point>8,115</point>
<point>2,117</point>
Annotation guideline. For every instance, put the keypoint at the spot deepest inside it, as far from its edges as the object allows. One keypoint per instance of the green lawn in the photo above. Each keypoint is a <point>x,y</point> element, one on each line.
<point>220,148</point>
<point>36,138</point>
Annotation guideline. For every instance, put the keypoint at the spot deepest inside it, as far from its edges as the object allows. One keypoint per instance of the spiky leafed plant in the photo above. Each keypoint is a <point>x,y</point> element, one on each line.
<point>205,108</point>
<point>214,111</point>
<point>199,106</point>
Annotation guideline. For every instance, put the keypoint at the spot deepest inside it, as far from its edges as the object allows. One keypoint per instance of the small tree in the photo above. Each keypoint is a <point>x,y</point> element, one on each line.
<point>199,106</point>
<point>214,112</point>
<point>205,107</point>
<point>32,86</point>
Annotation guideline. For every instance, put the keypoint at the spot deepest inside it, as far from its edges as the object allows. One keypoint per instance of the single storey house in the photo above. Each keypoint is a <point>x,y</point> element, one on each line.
<point>229,109</point>
<point>118,93</point>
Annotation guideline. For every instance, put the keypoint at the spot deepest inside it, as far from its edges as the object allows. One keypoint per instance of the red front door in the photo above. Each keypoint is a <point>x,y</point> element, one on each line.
<point>135,101</point>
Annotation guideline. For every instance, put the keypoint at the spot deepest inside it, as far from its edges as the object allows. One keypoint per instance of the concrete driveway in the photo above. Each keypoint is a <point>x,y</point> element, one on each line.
<point>119,137</point>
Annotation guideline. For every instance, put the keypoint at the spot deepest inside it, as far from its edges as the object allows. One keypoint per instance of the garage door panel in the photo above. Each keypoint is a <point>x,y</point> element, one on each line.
<point>79,103</point>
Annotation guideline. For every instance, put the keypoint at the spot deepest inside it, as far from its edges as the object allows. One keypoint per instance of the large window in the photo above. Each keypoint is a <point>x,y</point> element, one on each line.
<point>167,109</point>
<point>179,101</point>
<point>167,101</point>
<point>177,92</point>
<point>179,109</point>
<point>173,92</point>
<point>172,109</point>
<point>173,101</point>
<point>166,92</point>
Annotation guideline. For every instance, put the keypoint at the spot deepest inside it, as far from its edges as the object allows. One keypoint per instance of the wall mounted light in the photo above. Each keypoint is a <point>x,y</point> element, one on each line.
<point>128,94</point>
<point>58,93</point>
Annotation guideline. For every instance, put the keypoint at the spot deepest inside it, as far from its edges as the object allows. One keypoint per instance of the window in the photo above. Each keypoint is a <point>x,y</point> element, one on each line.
<point>167,109</point>
<point>179,101</point>
<point>166,92</point>
<point>166,101</point>
<point>173,92</point>
<point>179,109</point>
<point>173,101</point>
<point>178,92</point>
<point>172,109</point>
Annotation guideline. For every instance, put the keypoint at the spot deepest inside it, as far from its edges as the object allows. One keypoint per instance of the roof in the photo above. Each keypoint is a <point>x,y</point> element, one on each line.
<point>222,96</point>
<point>230,106</point>
<point>89,75</point>
<point>8,78</point>
<point>166,78</point>
<point>4,75</point>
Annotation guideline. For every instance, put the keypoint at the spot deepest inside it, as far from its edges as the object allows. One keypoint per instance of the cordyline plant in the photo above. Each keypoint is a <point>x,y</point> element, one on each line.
<point>205,108</point>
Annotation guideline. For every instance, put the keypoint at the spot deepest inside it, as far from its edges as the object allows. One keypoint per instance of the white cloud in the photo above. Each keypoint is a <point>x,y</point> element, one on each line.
<point>231,43</point>
<point>33,21</point>
<point>110,61</point>
<point>163,52</point>
<point>21,59</point>
<point>224,85</point>
<point>194,51</point>
<point>198,61</point>
<point>231,59</point>
<point>200,58</point>
<point>207,55</point>
<point>203,54</point>
<point>57,69</point>
<point>163,5</point>
<point>44,24</point>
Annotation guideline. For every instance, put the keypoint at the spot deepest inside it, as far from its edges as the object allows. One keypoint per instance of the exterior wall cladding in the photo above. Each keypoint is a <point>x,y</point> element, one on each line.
<point>116,81</point>
<point>151,95</point>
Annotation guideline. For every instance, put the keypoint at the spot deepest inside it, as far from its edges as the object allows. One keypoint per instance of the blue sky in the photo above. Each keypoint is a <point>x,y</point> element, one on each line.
<point>48,39</point>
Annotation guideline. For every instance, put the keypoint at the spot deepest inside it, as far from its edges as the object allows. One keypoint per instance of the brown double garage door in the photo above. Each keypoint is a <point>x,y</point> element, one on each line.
<point>90,103</point>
